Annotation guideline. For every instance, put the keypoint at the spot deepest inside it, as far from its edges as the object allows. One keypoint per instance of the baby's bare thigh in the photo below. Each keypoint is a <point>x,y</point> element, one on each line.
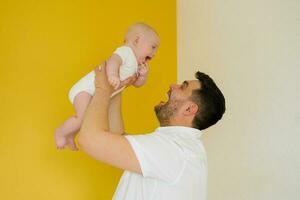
<point>81,103</point>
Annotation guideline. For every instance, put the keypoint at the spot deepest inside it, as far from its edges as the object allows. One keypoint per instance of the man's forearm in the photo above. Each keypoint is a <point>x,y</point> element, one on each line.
<point>95,127</point>
<point>96,116</point>
<point>115,115</point>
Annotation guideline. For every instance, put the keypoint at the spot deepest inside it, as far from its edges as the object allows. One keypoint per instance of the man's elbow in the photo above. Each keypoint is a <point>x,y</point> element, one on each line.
<point>87,139</point>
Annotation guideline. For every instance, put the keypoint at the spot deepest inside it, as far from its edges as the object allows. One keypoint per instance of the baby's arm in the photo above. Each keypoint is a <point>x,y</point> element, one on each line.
<point>142,76</point>
<point>112,69</point>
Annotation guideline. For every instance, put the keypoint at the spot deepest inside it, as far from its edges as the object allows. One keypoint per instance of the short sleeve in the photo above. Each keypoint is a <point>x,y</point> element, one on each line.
<point>123,52</point>
<point>158,157</point>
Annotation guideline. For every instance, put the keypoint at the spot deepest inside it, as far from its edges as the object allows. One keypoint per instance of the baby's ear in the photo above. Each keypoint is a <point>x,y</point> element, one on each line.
<point>136,39</point>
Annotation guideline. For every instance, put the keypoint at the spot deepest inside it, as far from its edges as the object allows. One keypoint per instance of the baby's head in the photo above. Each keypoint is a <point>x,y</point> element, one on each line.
<point>143,40</point>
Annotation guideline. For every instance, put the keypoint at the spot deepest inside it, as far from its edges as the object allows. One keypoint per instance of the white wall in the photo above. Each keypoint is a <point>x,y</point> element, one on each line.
<point>252,50</point>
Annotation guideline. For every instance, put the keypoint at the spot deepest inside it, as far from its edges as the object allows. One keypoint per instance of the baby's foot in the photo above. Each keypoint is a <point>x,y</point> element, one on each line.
<point>71,142</point>
<point>60,139</point>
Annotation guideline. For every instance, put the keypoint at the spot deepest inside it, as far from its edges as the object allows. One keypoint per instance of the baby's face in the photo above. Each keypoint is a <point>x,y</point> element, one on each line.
<point>146,49</point>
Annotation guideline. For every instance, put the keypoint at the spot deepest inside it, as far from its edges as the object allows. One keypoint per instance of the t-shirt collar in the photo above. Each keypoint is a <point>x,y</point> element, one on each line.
<point>179,130</point>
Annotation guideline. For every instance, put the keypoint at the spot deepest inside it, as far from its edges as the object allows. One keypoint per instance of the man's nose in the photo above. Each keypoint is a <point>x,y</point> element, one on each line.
<point>173,86</point>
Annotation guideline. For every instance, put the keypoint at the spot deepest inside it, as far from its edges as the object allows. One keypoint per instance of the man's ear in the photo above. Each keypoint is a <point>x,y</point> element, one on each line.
<point>191,109</point>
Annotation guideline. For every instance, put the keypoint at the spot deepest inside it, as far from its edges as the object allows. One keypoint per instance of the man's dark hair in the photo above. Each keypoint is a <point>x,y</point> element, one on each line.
<point>210,101</point>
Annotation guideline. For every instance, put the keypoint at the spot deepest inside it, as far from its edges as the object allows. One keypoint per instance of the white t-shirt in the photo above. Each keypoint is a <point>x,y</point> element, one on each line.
<point>128,68</point>
<point>173,164</point>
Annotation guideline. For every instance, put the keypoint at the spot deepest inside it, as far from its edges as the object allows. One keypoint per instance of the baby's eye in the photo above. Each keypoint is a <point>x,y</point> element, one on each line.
<point>153,47</point>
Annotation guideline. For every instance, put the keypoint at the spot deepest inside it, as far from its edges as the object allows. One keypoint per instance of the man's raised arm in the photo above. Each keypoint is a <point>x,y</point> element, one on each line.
<point>95,138</point>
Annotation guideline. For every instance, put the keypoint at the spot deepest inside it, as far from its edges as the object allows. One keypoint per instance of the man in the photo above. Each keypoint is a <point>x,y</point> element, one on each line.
<point>168,164</point>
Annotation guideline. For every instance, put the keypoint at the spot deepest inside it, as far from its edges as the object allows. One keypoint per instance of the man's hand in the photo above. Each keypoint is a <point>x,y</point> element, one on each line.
<point>101,80</point>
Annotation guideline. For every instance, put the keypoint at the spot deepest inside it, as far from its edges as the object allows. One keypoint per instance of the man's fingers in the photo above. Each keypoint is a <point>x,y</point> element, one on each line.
<point>101,79</point>
<point>100,67</point>
<point>99,70</point>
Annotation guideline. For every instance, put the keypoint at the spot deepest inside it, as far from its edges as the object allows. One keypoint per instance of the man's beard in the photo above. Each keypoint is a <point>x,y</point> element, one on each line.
<point>165,112</point>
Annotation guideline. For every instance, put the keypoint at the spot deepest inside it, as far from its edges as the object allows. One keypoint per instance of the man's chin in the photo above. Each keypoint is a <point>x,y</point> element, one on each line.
<point>157,107</point>
<point>162,113</point>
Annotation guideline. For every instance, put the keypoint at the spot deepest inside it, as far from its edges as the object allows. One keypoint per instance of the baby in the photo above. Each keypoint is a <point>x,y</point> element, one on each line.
<point>141,43</point>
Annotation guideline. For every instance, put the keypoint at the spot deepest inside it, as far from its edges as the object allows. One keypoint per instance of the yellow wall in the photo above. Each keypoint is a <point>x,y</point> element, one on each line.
<point>45,46</point>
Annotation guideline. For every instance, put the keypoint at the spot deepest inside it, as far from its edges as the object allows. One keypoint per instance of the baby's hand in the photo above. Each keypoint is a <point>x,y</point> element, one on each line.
<point>143,70</point>
<point>114,81</point>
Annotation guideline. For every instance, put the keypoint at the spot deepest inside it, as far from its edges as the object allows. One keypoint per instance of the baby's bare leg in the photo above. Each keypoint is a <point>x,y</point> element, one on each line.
<point>65,134</point>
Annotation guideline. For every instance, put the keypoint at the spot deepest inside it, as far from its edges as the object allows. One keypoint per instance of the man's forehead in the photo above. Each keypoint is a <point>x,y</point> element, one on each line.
<point>193,84</point>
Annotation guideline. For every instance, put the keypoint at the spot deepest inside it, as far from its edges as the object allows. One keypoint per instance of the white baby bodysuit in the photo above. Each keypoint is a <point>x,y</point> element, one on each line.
<point>128,68</point>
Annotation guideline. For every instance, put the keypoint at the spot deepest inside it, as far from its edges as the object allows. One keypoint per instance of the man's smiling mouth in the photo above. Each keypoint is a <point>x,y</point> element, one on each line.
<point>168,98</point>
